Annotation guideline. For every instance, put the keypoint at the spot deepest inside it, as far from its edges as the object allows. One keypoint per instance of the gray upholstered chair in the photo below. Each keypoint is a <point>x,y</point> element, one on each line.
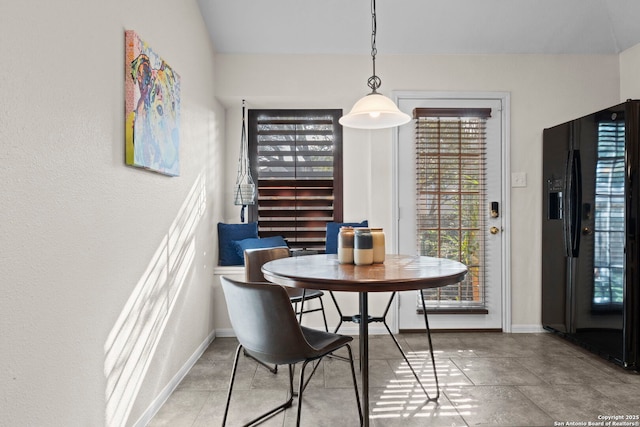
<point>265,324</point>
<point>254,259</point>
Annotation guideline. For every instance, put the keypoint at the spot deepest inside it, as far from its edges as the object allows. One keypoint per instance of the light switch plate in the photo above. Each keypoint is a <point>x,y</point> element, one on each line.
<point>519,179</point>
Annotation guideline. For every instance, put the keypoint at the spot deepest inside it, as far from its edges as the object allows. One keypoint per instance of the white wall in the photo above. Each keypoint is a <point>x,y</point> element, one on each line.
<point>630,73</point>
<point>545,90</point>
<point>83,234</point>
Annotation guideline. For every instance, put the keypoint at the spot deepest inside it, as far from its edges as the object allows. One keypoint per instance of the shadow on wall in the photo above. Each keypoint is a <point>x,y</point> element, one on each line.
<point>134,338</point>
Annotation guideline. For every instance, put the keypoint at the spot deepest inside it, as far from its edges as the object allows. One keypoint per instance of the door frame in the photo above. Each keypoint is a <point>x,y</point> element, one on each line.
<point>505,162</point>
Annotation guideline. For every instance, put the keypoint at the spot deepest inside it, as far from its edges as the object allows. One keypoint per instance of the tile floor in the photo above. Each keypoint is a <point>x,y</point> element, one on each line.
<point>487,379</point>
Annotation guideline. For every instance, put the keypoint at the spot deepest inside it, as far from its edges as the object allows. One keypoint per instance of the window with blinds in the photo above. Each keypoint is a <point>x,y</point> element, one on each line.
<point>450,155</point>
<point>609,236</point>
<point>296,159</point>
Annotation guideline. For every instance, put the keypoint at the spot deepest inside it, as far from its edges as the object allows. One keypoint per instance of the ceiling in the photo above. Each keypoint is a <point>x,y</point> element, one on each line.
<point>423,26</point>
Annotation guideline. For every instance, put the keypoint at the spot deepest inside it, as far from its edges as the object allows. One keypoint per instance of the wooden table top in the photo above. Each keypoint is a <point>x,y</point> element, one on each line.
<point>397,273</point>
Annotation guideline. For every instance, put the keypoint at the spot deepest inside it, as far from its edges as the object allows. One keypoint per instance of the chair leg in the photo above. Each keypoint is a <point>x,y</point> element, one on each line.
<point>433,360</point>
<point>355,384</point>
<point>335,302</point>
<point>302,311</point>
<point>404,356</point>
<point>304,293</point>
<point>303,385</point>
<point>267,414</point>
<point>300,390</point>
<point>233,375</point>
<point>315,367</point>
<point>324,316</point>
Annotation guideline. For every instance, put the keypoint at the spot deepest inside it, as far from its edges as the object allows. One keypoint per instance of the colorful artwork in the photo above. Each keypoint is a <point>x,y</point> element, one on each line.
<point>152,107</point>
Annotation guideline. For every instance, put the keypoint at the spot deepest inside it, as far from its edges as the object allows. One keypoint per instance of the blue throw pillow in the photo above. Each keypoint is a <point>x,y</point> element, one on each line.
<point>227,233</point>
<point>253,243</point>
<point>333,228</point>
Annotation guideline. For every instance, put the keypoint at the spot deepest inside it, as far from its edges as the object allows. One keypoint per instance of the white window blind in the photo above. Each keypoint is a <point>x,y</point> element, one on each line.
<point>450,155</point>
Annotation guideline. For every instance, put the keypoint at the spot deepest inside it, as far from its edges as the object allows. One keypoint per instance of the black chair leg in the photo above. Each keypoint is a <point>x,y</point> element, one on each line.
<point>233,376</point>
<point>301,311</point>
<point>303,385</point>
<point>355,384</point>
<point>277,409</point>
<point>433,360</point>
<point>324,316</point>
<point>267,414</point>
<point>300,390</point>
<point>340,315</point>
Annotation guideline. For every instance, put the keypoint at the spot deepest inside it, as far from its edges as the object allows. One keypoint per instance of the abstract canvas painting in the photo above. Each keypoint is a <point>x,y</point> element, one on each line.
<point>152,108</point>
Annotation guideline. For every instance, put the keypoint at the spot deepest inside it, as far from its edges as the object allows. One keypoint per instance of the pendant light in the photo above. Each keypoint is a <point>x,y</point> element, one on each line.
<point>374,111</point>
<point>245,191</point>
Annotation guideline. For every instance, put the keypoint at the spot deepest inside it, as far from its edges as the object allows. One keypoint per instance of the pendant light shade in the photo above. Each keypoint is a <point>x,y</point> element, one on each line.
<point>374,111</point>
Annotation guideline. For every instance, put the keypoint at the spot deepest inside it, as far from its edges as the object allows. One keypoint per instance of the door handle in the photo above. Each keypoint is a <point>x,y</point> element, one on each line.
<point>494,230</point>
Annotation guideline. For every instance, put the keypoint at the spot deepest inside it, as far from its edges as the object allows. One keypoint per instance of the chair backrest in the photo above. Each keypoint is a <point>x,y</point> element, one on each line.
<point>264,322</point>
<point>254,259</point>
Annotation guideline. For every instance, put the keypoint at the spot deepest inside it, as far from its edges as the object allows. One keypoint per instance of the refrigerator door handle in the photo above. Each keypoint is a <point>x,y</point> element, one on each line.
<point>576,201</point>
<point>566,202</point>
<point>572,203</point>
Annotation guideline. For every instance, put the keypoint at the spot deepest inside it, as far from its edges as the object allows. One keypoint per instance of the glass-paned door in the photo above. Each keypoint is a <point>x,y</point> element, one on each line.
<point>449,176</point>
<point>450,152</point>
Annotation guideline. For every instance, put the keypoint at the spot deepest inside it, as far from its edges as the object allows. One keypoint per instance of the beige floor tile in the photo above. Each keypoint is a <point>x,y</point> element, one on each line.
<point>486,379</point>
<point>401,406</point>
<point>625,396</point>
<point>325,407</point>
<point>181,410</point>
<point>245,406</point>
<point>567,370</point>
<point>578,403</point>
<point>496,406</point>
<point>444,345</point>
<point>496,371</point>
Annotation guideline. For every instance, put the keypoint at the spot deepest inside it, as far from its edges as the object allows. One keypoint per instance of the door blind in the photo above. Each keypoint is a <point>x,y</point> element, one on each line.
<point>296,157</point>
<point>450,155</point>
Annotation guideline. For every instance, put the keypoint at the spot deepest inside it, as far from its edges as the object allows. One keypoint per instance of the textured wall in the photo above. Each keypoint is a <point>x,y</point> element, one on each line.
<point>105,270</point>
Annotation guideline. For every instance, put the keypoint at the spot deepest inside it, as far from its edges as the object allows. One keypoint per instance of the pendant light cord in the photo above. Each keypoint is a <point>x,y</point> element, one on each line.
<point>379,111</point>
<point>374,81</point>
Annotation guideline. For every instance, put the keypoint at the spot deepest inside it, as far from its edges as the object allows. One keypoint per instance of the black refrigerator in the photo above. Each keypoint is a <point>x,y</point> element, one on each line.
<point>590,227</point>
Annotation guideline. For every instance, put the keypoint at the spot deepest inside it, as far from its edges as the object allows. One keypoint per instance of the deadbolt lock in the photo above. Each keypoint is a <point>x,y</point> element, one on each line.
<point>494,230</point>
<point>494,212</point>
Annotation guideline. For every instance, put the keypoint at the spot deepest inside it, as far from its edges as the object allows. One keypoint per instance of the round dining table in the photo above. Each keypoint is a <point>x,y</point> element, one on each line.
<point>397,273</point>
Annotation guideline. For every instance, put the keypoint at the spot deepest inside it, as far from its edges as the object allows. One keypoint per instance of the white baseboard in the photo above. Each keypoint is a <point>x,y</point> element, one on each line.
<point>225,333</point>
<point>526,329</point>
<point>157,403</point>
